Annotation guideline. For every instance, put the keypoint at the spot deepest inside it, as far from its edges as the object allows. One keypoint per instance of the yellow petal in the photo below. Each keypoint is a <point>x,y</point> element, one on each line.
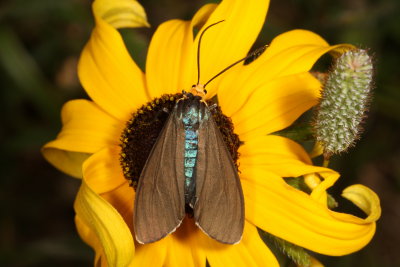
<point>90,238</point>
<point>170,65</point>
<point>276,105</point>
<point>108,73</point>
<point>122,198</point>
<point>317,150</point>
<point>168,56</point>
<point>121,13</point>
<point>102,171</point>
<point>183,246</point>
<point>289,53</point>
<point>287,159</point>
<point>315,262</point>
<point>231,40</point>
<point>257,248</point>
<point>286,212</point>
<point>107,225</point>
<point>365,199</point>
<point>66,161</point>
<point>277,147</point>
<point>86,129</point>
<point>152,254</point>
<point>198,21</point>
<point>295,51</point>
<point>202,15</point>
<point>251,251</point>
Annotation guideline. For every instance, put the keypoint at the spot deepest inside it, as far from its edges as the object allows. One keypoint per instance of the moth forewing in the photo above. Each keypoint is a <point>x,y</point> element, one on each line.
<point>219,210</point>
<point>159,206</point>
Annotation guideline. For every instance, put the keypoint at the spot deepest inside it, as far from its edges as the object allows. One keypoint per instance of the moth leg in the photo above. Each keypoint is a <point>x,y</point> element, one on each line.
<point>213,106</point>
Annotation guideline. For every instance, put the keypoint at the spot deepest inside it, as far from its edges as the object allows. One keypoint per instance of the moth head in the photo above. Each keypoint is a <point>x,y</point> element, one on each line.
<point>198,90</point>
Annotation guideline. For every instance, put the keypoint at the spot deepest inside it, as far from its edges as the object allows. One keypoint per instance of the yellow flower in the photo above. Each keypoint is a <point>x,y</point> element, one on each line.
<point>260,98</point>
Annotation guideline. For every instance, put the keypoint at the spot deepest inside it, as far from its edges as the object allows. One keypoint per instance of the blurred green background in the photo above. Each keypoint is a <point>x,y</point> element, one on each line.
<point>40,43</point>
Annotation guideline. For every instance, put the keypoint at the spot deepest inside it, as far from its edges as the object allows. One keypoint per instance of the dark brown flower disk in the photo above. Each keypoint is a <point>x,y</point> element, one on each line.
<point>142,130</point>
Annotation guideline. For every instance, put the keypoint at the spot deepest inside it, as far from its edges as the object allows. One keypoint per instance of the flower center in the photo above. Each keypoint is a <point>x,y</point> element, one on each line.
<point>142,130</point>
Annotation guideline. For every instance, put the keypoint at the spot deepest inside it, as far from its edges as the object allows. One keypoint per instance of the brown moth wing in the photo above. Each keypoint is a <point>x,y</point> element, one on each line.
<point>159,206</point>
<point>219,210</point>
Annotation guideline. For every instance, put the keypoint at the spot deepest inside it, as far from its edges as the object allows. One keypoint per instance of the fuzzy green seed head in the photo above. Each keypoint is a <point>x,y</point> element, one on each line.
<point>344,102</point>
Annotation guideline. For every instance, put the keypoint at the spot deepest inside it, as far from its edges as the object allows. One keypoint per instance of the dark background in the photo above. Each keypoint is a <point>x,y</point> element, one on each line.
<point>40,42</point>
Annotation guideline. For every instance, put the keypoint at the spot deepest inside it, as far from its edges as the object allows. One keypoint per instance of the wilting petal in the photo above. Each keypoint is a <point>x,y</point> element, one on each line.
<point>107,226</point>
<point>231,40</point>
<point>273,205</point>
<point>121,13</point>
<point>290,53</point>
<point>251,251</point>
<point>167,60</point>
<point>86,129</point>
<point>276,105</point>
<point>108,73</point>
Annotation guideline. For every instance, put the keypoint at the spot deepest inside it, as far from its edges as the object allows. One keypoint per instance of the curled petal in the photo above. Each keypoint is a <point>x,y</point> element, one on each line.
<point>287,159</point>
<point>365,199</point>
<point>273,205</point>
<point>121,13</point>
<point>106,225</point>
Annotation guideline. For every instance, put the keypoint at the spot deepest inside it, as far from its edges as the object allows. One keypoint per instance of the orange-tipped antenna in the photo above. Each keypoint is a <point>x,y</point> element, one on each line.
<point>256,53</point>
<point>198,49</point>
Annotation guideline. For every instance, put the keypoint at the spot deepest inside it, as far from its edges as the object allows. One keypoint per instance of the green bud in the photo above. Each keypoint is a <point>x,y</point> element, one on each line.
<point>344,102</point>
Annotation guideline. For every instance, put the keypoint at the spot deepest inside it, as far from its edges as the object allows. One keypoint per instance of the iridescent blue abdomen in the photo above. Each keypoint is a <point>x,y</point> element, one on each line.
<point>191,113</point>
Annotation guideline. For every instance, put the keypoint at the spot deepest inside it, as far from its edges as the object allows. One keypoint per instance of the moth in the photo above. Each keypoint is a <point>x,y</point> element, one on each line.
<point>190,170</point>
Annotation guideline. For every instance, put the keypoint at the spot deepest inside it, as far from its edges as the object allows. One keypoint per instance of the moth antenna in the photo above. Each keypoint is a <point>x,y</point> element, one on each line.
<point>256,52</point>
<point>198,49</point>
